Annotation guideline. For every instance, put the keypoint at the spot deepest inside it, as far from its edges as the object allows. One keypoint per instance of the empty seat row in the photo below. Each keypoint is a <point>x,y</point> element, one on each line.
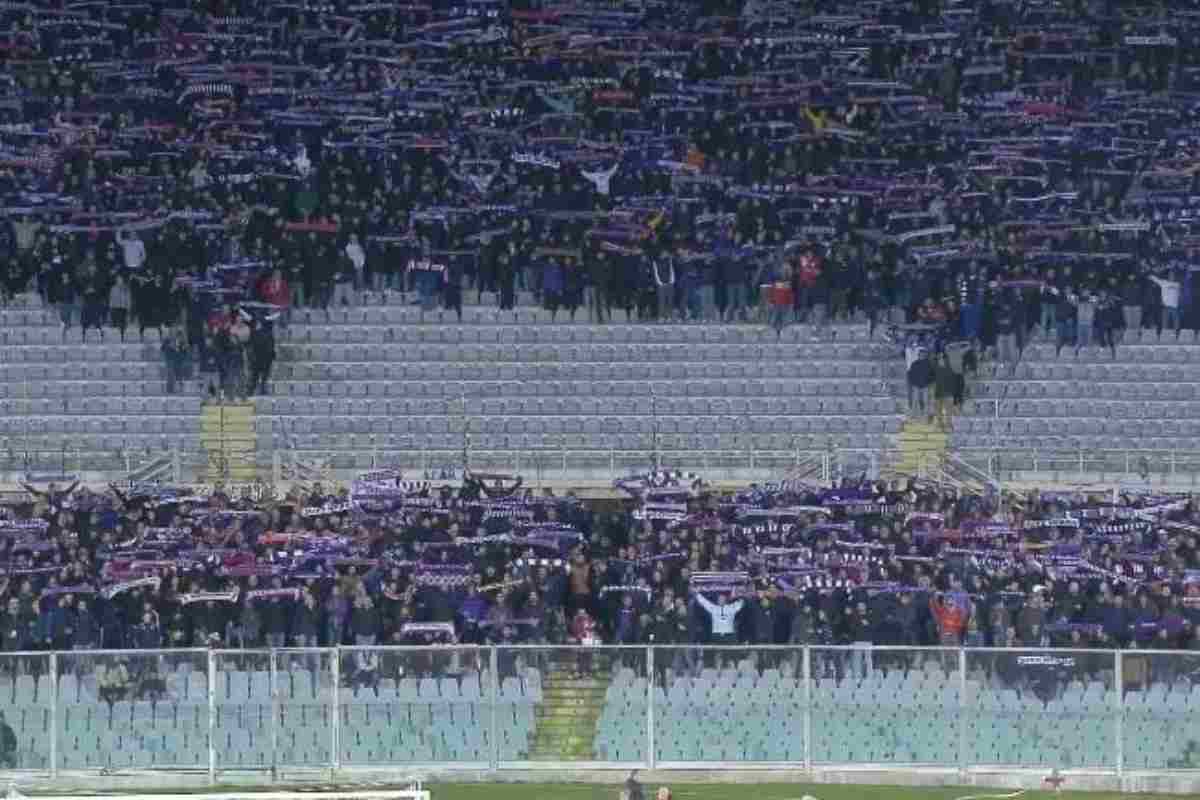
<point>1131,354</point>
<point>1071,390</point>
<point>174,406</point>
<point>41,370</point>
<point>75,355</point>
<point>604,400</point>
<point>1079,426</point>
<point>43,389</point>
<point>582,354</point>
<point>1110,372</point>
<point>54,443</point>
<point>692,424</point>
<point>453,388</point>
<point>366,449</point>
<point>1094,449</point>
<point>1086,405</point>
<point>54,336</point>
<point>342,325</point>
<point>97,424</point>
<point>488,370</point>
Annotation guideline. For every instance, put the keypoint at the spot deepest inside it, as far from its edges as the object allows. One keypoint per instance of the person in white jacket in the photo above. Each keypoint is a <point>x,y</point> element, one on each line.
<point>722,617</point>
<point>347,283</point>
<point>664,284</point>
<point>133,251</point>
<point>1170,301</point>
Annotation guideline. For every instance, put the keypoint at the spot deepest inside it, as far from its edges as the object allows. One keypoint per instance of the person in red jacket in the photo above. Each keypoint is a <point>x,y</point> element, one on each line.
<point>951,616</point>
<point>274,289</point>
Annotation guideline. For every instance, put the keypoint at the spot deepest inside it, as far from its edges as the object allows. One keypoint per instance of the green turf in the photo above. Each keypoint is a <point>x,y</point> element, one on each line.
<point>680,790</point>
<point>731,791</point>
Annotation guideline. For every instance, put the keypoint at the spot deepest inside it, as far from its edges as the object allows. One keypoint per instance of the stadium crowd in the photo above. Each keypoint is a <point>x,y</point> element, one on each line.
<point>1010,172</point>
<point>484,562</point>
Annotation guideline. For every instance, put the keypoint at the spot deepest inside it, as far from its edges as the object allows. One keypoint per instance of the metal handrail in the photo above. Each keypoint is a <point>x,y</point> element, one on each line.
<point>969,468</point>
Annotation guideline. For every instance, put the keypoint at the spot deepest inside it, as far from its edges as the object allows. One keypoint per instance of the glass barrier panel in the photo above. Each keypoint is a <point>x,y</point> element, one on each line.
<point>243,729</point>
<point>728,704</point>
<point>1160,728</point>
<point>26,689</point>
<point>141,709</point>
<point>1052,708</point>
<point>303,710</point>
<point>885,705</point>
<point>414,706</point>
<point>572,704</point>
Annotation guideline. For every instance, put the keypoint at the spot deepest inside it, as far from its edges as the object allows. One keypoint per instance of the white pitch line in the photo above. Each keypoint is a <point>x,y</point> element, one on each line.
<point>1017,793</point>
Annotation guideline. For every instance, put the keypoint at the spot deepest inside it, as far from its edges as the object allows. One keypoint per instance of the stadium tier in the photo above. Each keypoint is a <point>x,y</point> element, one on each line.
<point>365,385</point>
<point>329,332</point>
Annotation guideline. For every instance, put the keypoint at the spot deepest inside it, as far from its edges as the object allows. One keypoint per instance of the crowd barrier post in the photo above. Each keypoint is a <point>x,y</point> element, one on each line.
<point>1119,709</point>
<point>212,717</point>
<point>334,702</point>
<point>963,710</point>
<point>493,703</point>
<point>650,757</point>
<point>274,689</point>
<point>806,682</point>
<point>54,700</point>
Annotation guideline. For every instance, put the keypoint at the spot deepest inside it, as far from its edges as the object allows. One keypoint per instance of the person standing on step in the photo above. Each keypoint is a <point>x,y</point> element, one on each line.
<point>1007,326</point>
<point>946,383</point>
<point>262,356</point>
<point>175,354</point>
<point>920,379</point>
<point>120,298</point>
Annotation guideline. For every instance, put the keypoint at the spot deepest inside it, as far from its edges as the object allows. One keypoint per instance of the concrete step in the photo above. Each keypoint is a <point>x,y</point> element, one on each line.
<point>576,710</point>
<point>235,475</point>
<point>563,744</point>
<point>215,428</point>
<point>557,685</point>
<point>550,755</point>
<point>567,726</point>
<point>574,691</point>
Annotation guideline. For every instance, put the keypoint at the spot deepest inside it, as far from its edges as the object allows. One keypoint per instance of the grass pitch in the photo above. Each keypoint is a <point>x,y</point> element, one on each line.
<point>770,791</point>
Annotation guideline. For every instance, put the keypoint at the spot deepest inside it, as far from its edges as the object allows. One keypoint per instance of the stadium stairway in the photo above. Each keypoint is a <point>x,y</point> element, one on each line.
<point>565,720</point>
<point>228,438</point>
<point>922,443</point>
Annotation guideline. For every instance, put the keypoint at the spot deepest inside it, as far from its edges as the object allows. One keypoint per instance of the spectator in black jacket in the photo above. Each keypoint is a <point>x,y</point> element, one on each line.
<point>85,630</point>
<point>8,744</point>
<point>16,629</point>
<point>364,621</point>
<point>305,622</point>
<point>920,378</point>
<point>1131,306</point>
<point>146,634</point>
<point>946,388</point>
<point>175,353</point>
<point>275,612</point>
<point>262,355</point>
<point>1007,332</point>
